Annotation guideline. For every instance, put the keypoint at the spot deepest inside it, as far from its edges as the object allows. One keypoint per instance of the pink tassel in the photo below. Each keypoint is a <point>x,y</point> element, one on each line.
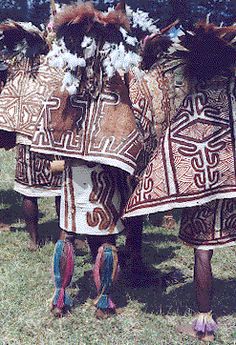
<point>97,266</point>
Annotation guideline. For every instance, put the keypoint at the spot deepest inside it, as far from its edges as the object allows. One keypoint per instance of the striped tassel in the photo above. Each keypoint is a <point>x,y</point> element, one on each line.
<point>104,274</point>
<point>63,267</point>
<point>205,323</point>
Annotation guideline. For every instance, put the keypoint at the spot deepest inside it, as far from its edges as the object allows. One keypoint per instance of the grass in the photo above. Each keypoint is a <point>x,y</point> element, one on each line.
<point>150,314</point>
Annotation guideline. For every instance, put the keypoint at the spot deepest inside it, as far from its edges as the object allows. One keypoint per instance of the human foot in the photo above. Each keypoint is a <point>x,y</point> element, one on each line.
<point>188,330</point>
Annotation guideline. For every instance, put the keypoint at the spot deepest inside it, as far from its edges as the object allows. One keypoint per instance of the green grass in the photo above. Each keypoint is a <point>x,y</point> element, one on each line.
<point>150,314</point>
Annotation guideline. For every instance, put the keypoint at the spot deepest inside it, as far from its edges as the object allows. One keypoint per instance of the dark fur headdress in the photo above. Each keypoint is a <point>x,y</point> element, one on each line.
<point>92,44</point>
<point>208,51</point>
<point>75,21</point>
<point>22,39</point>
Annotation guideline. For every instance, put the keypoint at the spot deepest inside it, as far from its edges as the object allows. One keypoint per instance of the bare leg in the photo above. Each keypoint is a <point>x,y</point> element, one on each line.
<point>133,244</point>
<point>58,207</point>
<point>30,211</point>
<point>203,279</point>
<point>204,326</point>
<point>95,242</point>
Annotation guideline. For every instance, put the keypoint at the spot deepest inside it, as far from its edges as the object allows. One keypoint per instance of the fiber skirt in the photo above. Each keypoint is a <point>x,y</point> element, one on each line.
<point>210,225</point>
<point>92,199</point>
<point>33,176</point>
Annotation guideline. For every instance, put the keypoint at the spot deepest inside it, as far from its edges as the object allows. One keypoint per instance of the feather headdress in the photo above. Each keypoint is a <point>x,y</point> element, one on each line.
<point>21,40</point>
<point>92,45</point>
<point>207,51</point>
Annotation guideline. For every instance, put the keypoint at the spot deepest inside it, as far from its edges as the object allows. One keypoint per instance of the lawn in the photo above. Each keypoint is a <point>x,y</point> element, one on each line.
<point>149,314</point>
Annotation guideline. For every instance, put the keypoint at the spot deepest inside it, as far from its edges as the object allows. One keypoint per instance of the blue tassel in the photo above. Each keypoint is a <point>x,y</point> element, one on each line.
<point>61,298</point>
<point>103,302</point>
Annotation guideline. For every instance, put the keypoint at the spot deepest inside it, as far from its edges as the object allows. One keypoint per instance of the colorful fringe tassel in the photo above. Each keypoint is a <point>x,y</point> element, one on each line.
<point>63,267</point>
<point>105,273</point>
<point>205,323</point>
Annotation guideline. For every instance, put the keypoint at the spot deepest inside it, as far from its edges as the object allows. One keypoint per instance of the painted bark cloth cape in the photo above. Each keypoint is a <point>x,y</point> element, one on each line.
<point>195,161</point>
<point>30,81</point>
<point>95,121</point>
<point>23,98</point>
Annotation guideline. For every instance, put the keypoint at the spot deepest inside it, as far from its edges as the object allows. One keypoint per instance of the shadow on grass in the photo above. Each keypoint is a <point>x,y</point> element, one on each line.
<point>12,214</point>
<point>178,299</point>
<point>182,299</point>
<point>13,211</point>
<point>154,300</point>
<point>49,231</point>
<point>124,288</point>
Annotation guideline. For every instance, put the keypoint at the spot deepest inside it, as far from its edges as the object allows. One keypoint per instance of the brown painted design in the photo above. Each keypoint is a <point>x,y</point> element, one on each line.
<point>33,169</point>
<point>104,185</point>
<point>72,195</point>
<point>24,95</point>
<point>195,161</point>
<point>211,224</point>
<point>102,130</point>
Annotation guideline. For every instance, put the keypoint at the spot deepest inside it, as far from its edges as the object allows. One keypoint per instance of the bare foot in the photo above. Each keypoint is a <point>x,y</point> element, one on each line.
<point>4,227</point>
<point>56,312</point>
<point>188,330</point>
<point>32,246</point>
<point>102,314</point>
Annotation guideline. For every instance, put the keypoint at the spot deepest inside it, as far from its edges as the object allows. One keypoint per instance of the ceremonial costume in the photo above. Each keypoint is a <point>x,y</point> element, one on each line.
<point>194,166</point>
<point>7,138</point>
<point>29,84</point>
<point>89,121</point>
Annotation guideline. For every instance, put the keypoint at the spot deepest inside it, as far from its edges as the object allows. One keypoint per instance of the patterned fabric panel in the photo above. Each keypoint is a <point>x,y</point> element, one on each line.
<point>33,169</point>
<point>195,161</point>
<point>91,201</point>
<point>102,130</point>
<point>23,97</point>
<point>212,224</point>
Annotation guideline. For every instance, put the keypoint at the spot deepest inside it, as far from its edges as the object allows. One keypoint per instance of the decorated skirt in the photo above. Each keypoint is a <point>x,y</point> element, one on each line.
<point>33,176</point>
<point>210,225</point>
<point>92,199</point>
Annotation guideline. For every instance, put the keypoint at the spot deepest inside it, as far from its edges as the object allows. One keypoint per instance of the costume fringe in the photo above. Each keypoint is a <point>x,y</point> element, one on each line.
<point>105,273</point>
<point>63,267</point>
<point>205,323</point>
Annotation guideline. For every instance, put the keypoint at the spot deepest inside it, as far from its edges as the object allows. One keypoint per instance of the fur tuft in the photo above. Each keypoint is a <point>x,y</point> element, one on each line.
<point>117,18</point>
<point>153,49</point>
<point>23,38</point>
<point>210,51</point>
<point>75,14</point>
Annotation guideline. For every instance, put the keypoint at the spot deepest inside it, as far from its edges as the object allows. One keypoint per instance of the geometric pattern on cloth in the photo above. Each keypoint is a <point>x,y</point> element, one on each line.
<point>91,200</point>
<point>33,170</point>
<point>195,161</point>
<point>101,130</point>
<point>22,98</point>
<point>210,225</point>
<point>150,96</point>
